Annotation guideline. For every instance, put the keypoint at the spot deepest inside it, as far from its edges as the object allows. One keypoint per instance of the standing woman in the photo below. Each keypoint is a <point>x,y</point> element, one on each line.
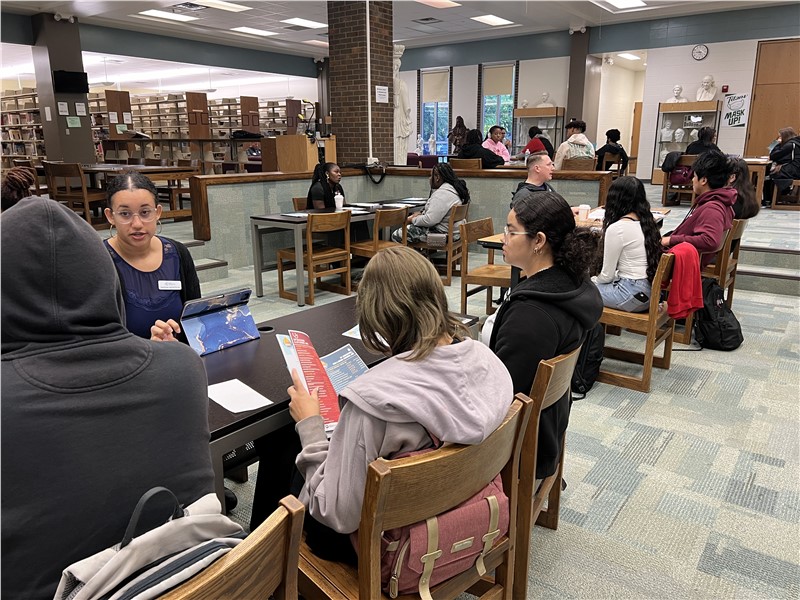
<point>631,247</point>
<point>548,313</point>
<point>324,185</point>
<point>157,273</point>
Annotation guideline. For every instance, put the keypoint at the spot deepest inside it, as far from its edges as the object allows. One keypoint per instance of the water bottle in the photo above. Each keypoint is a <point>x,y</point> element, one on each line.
<point>338,200</point>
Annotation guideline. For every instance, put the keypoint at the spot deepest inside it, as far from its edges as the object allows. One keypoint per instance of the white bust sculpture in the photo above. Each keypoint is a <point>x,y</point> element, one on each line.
<point>667,131</point>
<point>679,135</point>
<point>707,90</point>
<point>676,95</point>
<point>545,103</point>
<point>402,110</point>
<point>524,104</point>
<point>693,135</point>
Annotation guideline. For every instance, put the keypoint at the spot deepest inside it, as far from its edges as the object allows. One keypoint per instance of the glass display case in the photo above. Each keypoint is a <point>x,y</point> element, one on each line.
<point>549,120</point>
<point>677,126</point>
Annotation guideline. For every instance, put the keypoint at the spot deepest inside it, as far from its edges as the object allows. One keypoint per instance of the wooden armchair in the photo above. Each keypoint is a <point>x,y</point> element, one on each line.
<point>384,218</point>
<point>486,276</point>
<point>67,184</point>
<point>299,203</point>
<point>263,565</point>
<point>408,490</point>
<point>655,324</point>
<point>465,163</point>
<point>319,261</point>
<point>578,164</point>
<point>609,160</point>
<point>683,191</point>
<point>451,248</point>
<point>788,201</point>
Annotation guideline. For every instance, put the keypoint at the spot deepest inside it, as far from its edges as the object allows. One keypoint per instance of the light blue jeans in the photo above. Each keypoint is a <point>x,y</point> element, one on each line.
<point>620,294</point>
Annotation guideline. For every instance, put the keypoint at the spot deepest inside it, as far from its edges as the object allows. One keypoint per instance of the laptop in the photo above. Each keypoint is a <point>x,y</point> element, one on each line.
<point>219,322</point>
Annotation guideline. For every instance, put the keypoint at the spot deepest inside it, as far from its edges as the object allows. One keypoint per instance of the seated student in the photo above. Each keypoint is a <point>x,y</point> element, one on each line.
<point>746,205</point>
<point>93,416</point>
<point>324,186</point>
<point>786,164</point>
<point>472,148</point>
<point>540,173</point>
<point>631,248</point>
<point>447,191</point>
<point>712,214</point>
<point>496,143</point>
<point>17,182</point>
<point>612,146</point>
<point>705,141</point>
<point>534,145</point>
<point>577,144</point>
<point>548,313</point>
<point>437,381</point>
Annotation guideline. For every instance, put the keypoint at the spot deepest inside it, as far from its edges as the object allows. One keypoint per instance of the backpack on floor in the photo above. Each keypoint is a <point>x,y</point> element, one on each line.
<point>588,366</point>
<point>716,327</point>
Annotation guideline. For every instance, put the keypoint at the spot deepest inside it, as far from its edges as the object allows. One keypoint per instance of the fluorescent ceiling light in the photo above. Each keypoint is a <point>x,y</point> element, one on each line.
<point>622,4</point>
<point>229,6</point>
<point>305,23</point>
<point>316,43</point>
<point>121,77</point>
<point>439,3</point>
<point>629,56</point>
<point>492,20</point>
<point>253,31</point>
<point>160,14</point>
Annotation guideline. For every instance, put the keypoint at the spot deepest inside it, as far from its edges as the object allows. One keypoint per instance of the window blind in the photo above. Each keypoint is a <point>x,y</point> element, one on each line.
<point>498,80</point>
<point>435,86</point>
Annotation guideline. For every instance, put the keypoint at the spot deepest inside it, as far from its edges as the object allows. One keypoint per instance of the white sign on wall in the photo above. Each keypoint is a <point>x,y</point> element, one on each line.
<point>382,94</point>
<point>735,109</point>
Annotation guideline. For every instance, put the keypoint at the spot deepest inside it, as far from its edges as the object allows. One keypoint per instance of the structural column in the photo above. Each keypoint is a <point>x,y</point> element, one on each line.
<point>348,31</point>
<point>583,98</point>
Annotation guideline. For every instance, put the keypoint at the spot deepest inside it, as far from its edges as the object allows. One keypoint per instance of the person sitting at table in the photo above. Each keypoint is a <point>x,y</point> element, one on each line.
<point>786,163</point>
<point>17,182</point>
<point>157,273</point>
<point>612,146</point>
<point>746,205</point>
<point>534,145</point>
<point>540,173</point>
<point>548,313</point>
<point>631,247</point>
<point>496,143</point>
<point>324,186</point>
<point>577,144</point>
<point>447,191</point>
<point>705,141</point>
<point>472,148</point>
<point>437,381</point>
<point>93,416</point>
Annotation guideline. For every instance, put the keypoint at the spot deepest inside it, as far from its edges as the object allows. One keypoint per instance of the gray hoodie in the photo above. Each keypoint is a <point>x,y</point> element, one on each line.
<point>577,146</point>
<point>460,393</point>
<point>437,209</point>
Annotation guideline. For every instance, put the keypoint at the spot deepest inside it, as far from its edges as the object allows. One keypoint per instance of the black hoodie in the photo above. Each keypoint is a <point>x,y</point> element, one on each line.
<point>546,315</point>
<point>92,416</point>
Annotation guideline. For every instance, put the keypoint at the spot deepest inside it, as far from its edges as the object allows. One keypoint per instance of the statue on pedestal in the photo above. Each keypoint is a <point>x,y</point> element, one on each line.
<point>545,103</point>
<point>402,111</point>
<point>676,95</point>
<point>707,90</point>
<point>667,132</point>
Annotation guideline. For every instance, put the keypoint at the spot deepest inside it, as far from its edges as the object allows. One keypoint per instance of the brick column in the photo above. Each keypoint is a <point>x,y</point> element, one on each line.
<point>347,44</point>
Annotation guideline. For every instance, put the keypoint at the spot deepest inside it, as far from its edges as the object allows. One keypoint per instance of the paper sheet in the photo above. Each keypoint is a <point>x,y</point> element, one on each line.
<point>235,396</point>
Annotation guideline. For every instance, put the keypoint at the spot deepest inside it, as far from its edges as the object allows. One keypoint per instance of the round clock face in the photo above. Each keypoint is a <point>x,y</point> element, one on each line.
<point>699,52</point>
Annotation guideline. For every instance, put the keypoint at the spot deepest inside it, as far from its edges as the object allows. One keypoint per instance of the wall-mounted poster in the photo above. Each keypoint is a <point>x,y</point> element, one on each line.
<point>735,109</point>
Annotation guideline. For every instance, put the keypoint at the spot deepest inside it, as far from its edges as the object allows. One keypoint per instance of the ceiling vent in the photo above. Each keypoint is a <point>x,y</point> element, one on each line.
<point>297,28</point>
<point>427,21</point>
<point>188,6</point>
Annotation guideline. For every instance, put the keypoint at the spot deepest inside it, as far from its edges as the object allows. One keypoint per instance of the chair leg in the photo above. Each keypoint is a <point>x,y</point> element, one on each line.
<point>311,273</point>
<point>647,365</point>
<point>549,518</point>
<point>448,279</point>
<point>463,297</point>
<point>489,307</point>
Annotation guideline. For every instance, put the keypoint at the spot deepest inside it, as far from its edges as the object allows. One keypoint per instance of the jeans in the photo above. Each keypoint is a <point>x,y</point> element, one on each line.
<point>620,294</point>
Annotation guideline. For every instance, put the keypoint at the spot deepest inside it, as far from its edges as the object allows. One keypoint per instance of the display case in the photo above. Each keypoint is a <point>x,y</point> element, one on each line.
<point>21,129</point>
<point>677,126</point>
<point>550,120</point>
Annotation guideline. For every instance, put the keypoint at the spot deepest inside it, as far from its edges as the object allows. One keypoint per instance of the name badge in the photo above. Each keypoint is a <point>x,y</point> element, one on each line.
<point>166,284</point>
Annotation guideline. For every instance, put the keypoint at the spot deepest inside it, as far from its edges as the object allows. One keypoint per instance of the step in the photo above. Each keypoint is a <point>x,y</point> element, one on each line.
<point>211,269</point>
<point>773,280</point>
<point>762,255</point>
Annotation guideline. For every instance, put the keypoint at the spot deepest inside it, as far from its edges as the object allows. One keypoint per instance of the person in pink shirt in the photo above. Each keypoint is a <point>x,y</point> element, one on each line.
<point>496,144</point>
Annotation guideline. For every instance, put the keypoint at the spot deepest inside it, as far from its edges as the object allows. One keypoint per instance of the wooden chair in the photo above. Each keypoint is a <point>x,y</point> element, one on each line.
<point>263,565</point>
<point>790,201</point>
<point>451,248</point>
<point>609,160</point>
<point>578,164</point>
<point>174,188</point>
<point>319,260</point>
<point>383,218</point>
<point>299,203</point>
<point>655,324</point>
<point>36,189</point>
<point>408,490</point>
<point>465,163</point>
<point>486,276</point>
<point>412,159</point>
<point>428,161</point>
<point>687,160</point>
<point>67,184</point>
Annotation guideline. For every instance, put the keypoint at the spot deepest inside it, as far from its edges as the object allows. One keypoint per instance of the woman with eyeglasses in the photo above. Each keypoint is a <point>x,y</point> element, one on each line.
<point>157,273</point>
<point>548,313</point>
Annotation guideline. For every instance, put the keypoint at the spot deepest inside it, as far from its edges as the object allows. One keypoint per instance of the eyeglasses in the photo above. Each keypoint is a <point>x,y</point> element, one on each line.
<point>146,215</point>
<point>507,233</point>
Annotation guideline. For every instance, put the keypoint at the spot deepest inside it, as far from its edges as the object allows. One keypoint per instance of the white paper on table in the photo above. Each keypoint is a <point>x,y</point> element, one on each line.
<point>598,214</point>
<point>295,214</point>
<point>353,332</point>
<point>395,205</point>
<point>235,396</point>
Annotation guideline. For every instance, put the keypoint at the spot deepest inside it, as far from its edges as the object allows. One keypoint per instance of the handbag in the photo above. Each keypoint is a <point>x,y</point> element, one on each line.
<point>436,240</point>
<point>681,175</point>
<point>145,566</point>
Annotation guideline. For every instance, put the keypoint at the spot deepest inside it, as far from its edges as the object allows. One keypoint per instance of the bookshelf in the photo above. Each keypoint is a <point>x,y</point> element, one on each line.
<point>21,133</point>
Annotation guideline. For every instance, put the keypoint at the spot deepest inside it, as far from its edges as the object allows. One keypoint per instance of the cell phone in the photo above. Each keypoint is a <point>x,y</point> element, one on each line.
<point>642,297</point>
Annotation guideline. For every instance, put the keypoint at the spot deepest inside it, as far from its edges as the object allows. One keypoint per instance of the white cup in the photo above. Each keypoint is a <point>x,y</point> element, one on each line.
<point>338,199</point>
<point>583,212</point>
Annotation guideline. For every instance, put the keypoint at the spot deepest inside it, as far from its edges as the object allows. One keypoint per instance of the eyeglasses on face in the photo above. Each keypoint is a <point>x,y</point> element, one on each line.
<point>146,215</point>
<point>507,233</point>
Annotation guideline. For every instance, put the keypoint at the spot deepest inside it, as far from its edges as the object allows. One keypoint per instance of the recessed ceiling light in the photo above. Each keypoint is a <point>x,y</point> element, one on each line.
<point>316,43</point>
<point>492,20</point>
<point>253,31</point>
<point>629,56</point>
<point>229,6</point>
<point>439,3</point>
<point>626,3</point>
<point>160,14</point>
<point>305,23</point>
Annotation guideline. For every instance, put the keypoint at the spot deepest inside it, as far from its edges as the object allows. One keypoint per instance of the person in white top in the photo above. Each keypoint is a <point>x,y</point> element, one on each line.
<point>631,247</point>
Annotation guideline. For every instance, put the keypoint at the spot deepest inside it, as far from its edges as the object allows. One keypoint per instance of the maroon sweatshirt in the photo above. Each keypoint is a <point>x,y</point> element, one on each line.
<point>706,224</point>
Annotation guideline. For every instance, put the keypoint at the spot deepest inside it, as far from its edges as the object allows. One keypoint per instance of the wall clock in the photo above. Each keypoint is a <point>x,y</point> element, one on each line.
<point>699,52</point>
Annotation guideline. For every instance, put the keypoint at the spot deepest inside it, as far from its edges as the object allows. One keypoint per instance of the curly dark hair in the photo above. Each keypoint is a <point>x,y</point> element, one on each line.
<point>17,182</point>
<point>573,248</point>
<point>130,180</point>
<point>448,176</point>
<point>474,136</point>
<point>626,195</point>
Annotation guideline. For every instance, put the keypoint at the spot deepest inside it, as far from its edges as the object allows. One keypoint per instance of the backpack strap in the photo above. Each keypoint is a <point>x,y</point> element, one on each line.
<point>429,558</point>
<point>491,535</point>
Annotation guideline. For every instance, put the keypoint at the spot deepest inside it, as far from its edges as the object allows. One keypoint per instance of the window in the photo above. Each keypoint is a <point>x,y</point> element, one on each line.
<point>435,109</point>
<point>498,99</point>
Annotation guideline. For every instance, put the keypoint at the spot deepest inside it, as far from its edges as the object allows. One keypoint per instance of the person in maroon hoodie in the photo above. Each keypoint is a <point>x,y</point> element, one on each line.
<point>712,214</point>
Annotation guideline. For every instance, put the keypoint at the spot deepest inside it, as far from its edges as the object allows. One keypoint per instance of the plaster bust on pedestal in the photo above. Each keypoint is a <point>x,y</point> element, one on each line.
<point>545,103</point>
<point>667,132</point>
<point>676,95</point>
<point>707,90</point>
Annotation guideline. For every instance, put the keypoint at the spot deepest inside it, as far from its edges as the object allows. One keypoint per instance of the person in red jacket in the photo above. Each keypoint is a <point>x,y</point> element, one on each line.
<point>712,214</point>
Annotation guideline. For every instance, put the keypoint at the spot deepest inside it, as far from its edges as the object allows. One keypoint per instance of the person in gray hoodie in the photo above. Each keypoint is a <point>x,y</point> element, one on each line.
<point>447,191</point>
<point>576,146</point>
<point>437,381</point>
<point>92,415</point>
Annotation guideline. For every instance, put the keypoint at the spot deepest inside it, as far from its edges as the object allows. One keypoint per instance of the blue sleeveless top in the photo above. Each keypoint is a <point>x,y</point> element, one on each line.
<point>144,301</point>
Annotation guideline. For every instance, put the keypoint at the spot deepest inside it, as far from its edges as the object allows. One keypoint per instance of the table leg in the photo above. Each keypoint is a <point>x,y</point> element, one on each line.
<point>759,174</point>
<point>255,238</point>
<point>300,274</point>
<point>219,474</point>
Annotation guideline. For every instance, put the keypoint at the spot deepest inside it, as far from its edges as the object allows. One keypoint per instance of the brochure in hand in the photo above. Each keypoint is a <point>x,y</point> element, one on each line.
<point>329,375</point>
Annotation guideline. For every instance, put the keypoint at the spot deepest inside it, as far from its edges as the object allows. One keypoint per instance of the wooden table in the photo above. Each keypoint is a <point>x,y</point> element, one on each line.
<point>758,173</point>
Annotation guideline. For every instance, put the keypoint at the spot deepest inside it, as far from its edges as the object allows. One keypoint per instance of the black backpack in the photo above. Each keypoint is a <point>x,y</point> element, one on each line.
<point>716,327</point>
<point>589,359</point>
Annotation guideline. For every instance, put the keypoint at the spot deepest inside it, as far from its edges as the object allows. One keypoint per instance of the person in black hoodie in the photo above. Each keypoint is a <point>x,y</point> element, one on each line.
<point>548,313</point>
<point>93,416</point>
<point>472,148</point>
<point>612,147</point>
<point>786,158</point>
<point>705,142</point>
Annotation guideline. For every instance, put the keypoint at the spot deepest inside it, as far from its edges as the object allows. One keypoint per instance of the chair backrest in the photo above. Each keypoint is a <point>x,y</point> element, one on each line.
<point>324,222</point>
<point>427,161</point>
<point>68,175</point>
<point>135,161</point>
<point>609,160</point>
<point>728,255</point>
<point>188,162</point>
<point>578,164</point>
<point>408,490</point>
<point>465,163</point>
<point>299,203</point>
<point>412,159</point>
<point>662,280</point>
<point>265,563</point>
<point>457,214</point>
<point>389,217</point>
<point>471,232</point>
<point>22,162</point>
<point>154,162</point>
